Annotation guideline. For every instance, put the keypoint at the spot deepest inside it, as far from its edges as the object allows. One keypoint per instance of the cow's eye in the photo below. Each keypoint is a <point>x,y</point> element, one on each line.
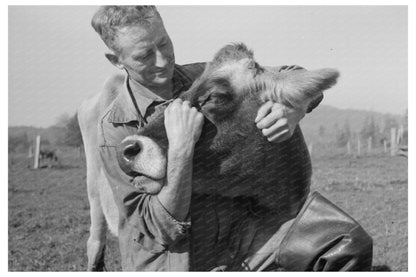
<point>221,96</point>
<point>215,98</point>
<point>218,104</point>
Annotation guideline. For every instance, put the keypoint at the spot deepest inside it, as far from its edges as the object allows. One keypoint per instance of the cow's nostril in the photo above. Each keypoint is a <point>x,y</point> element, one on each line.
<point>131,151</point>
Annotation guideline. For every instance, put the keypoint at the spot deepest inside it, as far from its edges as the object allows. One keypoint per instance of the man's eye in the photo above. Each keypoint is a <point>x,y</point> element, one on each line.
<point>143,57</point>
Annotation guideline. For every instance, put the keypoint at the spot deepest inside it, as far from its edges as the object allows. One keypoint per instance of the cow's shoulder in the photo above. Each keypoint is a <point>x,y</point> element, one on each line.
<point>192,70</point>
<point>99,102</point>
<point>92,109</point>
<point>111,89</point>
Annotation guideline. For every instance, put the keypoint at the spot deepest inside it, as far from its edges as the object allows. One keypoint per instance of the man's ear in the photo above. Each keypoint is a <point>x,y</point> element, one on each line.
<point>113,58</point>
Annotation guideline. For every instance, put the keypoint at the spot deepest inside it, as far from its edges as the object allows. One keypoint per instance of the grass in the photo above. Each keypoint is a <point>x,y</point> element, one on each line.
<point>49,211</point>
<point>49,217</point>
<point>373,190</point>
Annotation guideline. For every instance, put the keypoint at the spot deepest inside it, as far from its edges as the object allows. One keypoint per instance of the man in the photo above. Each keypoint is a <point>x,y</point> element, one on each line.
<point>154,230</point>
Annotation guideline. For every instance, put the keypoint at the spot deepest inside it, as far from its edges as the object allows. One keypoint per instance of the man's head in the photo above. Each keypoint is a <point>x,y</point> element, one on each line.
<point>138,42</point>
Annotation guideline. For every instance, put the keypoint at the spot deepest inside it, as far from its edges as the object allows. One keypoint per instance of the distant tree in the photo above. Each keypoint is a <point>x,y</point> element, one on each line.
<point>406,117</point>
<point>389,122</point>
<point>347,129</point>
<point>344,134</point>
<point>44,141</point>
<point>73,132</point>
<point>336,129</point>
<point>18,142</point>
<point>56,135</point>
<point>62,120</point>
<point>370,129</point>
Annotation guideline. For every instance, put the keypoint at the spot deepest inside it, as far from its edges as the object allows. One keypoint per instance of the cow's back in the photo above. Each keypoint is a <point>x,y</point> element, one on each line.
<point>89,115</point>
<point>92,109</point>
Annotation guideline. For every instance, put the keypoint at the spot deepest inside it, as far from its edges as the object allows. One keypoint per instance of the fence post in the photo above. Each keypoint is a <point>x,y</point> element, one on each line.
<point>399,139</point>
<point>385,146</point>
<point>348,148</point>
<point>358,147</point>
<point>370,144</point>
<point>30,155</point>
<point>37,149</point>
<point>392,141</point>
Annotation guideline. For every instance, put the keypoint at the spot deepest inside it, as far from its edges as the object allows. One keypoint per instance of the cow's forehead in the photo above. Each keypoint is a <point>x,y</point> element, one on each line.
<point>233,64</point>
<point>237,72</point>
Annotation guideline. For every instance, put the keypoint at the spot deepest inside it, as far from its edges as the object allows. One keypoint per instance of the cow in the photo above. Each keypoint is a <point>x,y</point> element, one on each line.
<point>48,158</point>
<point>48,155</point>
<point>103,210</point>
<point>232,157</point>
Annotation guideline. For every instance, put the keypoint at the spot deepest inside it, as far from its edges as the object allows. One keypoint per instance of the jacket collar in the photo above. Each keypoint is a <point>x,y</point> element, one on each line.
<point>124,110</point>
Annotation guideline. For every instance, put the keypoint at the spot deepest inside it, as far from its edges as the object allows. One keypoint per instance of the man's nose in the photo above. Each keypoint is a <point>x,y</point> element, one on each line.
<point>161,59</point>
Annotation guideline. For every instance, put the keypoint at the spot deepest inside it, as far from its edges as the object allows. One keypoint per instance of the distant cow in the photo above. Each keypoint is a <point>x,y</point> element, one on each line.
<point>232,158</point>
<point>48,155</point>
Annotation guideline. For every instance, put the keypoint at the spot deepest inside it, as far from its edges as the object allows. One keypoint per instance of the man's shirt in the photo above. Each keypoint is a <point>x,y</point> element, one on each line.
<point>150,238</point>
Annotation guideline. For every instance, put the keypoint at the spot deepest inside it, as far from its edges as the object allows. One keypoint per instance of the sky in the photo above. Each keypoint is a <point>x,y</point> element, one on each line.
<point>56,60</point>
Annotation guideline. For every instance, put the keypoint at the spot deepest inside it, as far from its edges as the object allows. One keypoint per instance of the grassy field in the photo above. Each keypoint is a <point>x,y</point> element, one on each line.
<point>49,212</point>
<point>373,190</point>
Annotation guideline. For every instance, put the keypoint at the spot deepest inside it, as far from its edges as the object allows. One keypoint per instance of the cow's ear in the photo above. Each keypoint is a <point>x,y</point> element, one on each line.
<point>298,88</point>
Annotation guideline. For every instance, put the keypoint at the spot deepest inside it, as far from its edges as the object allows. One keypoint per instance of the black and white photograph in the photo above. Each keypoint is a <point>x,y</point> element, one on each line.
<point>207,138</point>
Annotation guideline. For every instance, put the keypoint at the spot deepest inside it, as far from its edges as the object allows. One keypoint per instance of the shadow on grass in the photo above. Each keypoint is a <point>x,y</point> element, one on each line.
<point>380,268</point>
<point>57,167</point>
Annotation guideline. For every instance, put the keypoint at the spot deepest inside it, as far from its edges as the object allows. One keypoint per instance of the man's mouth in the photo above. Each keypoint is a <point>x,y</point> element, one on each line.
<point>160,71</point>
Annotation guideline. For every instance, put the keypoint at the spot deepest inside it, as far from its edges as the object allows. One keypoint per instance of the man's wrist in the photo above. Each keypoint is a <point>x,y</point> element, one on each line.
<point>181,151</point>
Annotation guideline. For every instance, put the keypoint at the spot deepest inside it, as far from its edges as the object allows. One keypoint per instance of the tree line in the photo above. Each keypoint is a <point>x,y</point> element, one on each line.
<point>376,130</point>
<point>65,132</point>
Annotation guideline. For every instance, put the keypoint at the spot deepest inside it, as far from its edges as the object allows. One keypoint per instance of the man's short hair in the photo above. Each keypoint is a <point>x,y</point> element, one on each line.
<point>108,20</point>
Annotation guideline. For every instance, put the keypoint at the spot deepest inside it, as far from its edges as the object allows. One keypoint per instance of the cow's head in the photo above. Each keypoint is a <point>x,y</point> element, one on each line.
<point>229,94</point>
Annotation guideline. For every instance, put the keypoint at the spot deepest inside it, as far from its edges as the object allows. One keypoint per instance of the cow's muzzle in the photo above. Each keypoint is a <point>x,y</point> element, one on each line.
<point>139,155</point>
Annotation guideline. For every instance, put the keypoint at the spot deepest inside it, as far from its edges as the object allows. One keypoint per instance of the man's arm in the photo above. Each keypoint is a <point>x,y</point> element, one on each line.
<point>159,217</point>
<point>143,211</point>
<point>277,121</point>
<point>183,127</point>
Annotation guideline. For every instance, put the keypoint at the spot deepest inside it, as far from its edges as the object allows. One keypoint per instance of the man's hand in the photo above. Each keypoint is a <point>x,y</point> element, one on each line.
<point>277,122</point>
<point>183,125</point>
